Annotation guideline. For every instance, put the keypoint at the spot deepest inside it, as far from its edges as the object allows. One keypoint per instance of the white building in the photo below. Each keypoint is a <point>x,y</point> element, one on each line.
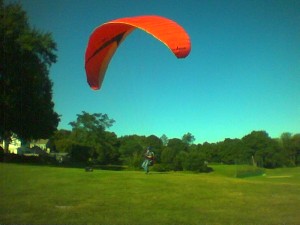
<point>15,144</point>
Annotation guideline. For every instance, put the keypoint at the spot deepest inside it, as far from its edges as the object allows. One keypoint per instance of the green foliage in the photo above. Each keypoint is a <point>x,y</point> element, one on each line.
<point>232,150</point>
<point>106,148</point>
<point>211,152</point>
<point>167,156</point>
<point>131,144</point>
<point>177,145</point>
<point>188,138</point>
<point>26,55</point>
<point>164,140</point>
<point>131,150</point>
<point>135,161</point>
<point>291,148</point>
<point>195,161</point>
<point>64,145</point>
<point>80,153</point>
<point>110,144</point>
<point>60,140</point>
<point>96,122</point>
<point>178,161</point>
<point>89,131</point>
<point>266,151</point>
<point>255,141</point>
<point>154,142</point>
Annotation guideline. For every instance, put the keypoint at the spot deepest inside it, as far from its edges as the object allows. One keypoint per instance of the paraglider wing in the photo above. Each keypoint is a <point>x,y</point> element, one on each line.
<point>106,38</point>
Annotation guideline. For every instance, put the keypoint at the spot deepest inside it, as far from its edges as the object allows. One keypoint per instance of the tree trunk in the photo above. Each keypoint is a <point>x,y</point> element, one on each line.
<point>6,145</point>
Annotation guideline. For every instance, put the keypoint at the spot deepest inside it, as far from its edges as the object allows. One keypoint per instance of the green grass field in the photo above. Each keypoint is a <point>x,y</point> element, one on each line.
<point>52,195</point>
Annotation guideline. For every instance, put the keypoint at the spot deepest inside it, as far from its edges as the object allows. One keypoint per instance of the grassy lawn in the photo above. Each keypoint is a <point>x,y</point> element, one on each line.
<point>51,195</point>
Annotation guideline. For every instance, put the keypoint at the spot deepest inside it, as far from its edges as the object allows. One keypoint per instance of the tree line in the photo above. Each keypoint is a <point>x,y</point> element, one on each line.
<point>89,142</point>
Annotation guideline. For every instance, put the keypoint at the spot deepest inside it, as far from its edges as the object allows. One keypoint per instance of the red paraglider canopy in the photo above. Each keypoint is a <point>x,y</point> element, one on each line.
<point>106,38</point>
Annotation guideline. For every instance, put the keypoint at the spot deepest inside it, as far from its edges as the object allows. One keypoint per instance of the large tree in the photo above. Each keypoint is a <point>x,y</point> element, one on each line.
<point>265,150</point>
<point>26,106</point>
<point>89,131</point>
<point>286,141</point>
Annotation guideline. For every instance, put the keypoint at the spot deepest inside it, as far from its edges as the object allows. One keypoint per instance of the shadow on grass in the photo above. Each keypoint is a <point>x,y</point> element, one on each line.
<point>52,162</point>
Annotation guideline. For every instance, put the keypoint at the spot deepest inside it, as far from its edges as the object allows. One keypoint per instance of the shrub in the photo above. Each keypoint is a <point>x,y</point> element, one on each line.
<point>80,153</point>
<point>196,162</point>
<point>134,161</point>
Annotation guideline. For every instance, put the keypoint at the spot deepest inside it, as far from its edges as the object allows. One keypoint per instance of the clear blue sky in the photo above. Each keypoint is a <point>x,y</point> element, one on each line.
<point>243,72</point>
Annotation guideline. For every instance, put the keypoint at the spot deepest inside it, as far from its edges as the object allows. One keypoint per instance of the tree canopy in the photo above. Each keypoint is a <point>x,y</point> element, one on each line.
<point>26,106</point>
<point>89,141</point>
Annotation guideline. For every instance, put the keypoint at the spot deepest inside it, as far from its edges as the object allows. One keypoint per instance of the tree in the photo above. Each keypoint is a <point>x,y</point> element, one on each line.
<point>177,145</point>
<point>111,144</point>
<point>131,150</point>
<point>256,141</point>
<point>286,142</point>
<point>296,145</point>
<point>231,151</point>
<point>210,150</point>
<point>26,106</point>
<point>92,122</point>
<point>188,138</point>
<point>171,155</point>
<point>60,140</point>
<point>265,150</point>
<point>164,140</point>
<point>154,142</point>
<point>89,130</point>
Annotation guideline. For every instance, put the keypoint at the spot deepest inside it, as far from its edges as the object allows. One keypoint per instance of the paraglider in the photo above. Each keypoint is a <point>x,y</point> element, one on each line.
<point>106,38</point>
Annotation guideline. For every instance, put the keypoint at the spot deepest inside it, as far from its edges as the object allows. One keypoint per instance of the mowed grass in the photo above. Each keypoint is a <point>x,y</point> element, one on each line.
<point>52,195</point>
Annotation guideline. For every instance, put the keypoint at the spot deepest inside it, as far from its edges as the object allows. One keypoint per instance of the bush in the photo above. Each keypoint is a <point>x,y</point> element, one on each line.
<point>80,153</point>
<point>134,161</point>
<point>195,162</point>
